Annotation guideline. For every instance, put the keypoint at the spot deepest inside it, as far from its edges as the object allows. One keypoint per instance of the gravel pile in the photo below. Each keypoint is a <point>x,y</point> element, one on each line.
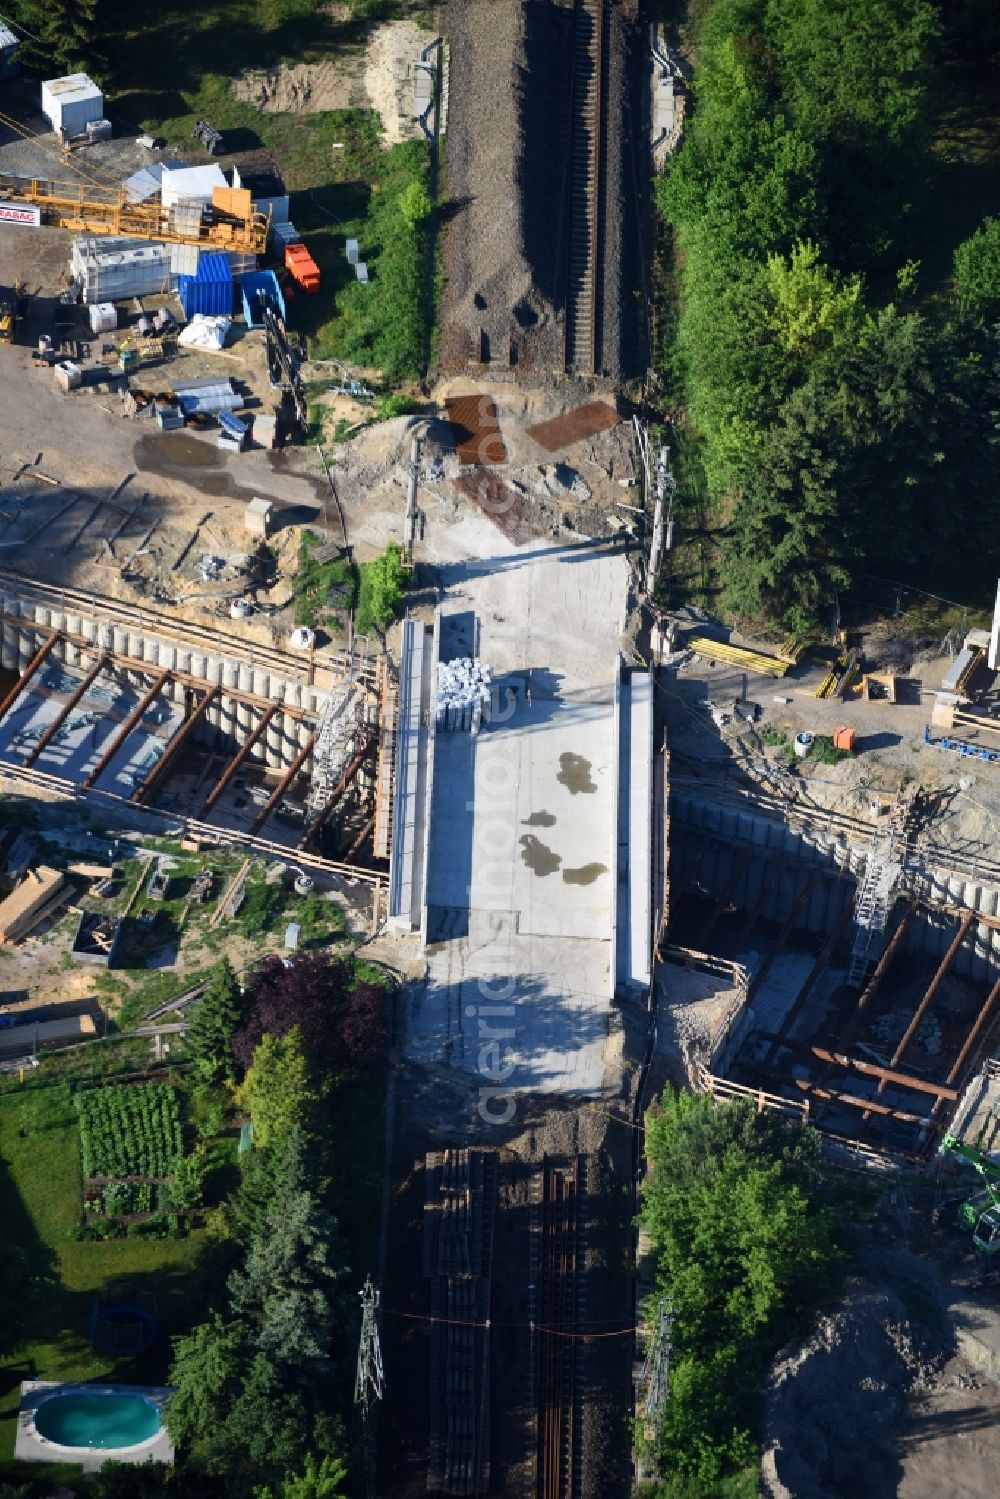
<point>834,1405</point>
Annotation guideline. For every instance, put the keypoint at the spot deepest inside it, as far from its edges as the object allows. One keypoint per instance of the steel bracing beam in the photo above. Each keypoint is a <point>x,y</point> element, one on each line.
<point>283,785</point>
<point>822,962</point>
<point>833,1095</point>
<point>147,669</point>
<point>722,901</point>
<point>979,1029</point>
<point>117,740</point>
<point>66,709</point>
<point>184,733</point>
<point>934,986</point>
<point>241,754</point>
<point>881,969</point>
<point>779,942</point>
<point>357,760</point>
<point>365,831</point>
<point>36,661</point>
<point>857,1064</point>
<point>931,991</point>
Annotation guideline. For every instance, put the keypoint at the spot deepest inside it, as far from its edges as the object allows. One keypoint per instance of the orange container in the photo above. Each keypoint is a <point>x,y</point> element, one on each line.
<point>302,266</point>
<point>844,737</point>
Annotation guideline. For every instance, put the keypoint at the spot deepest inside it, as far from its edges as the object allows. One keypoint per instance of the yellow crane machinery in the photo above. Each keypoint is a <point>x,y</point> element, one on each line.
<point>230,222</point>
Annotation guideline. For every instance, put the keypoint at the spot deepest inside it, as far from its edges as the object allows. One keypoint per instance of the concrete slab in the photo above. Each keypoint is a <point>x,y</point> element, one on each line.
<point>523,828</point>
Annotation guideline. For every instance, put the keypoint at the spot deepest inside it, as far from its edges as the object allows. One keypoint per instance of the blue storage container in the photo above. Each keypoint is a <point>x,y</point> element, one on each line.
<point>253,284</point>
<point>211,291</point>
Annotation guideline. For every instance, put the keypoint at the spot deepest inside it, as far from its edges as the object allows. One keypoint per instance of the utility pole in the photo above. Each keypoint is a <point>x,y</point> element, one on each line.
<point>656,1372</point>
<point>369,1383</point>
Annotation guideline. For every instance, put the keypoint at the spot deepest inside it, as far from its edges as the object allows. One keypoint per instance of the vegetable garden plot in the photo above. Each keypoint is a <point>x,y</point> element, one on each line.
<point>130,1131</point>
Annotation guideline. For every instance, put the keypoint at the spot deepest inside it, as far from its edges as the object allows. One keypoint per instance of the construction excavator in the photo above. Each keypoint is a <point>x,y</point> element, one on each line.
<point>981,1211</point>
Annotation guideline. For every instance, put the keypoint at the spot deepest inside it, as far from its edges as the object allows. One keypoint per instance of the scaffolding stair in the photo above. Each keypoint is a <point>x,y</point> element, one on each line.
<point>875,901</point>
<point>332,748</point>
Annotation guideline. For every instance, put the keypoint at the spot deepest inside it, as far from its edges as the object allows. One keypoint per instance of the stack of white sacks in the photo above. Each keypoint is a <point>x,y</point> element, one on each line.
<point>463,690</point>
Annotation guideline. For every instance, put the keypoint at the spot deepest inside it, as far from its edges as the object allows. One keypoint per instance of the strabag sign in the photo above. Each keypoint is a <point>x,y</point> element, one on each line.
<point>17,213</point>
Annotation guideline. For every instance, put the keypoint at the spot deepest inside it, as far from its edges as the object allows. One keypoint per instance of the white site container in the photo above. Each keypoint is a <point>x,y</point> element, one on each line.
<point>103,317</point>
<point>190,184</point>
<point>111,269</point>
<point>71,103</point>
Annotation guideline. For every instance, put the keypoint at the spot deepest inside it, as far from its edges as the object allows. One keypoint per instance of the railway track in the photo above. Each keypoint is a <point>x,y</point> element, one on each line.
<point>586,187</point>
<point>558,1464</point>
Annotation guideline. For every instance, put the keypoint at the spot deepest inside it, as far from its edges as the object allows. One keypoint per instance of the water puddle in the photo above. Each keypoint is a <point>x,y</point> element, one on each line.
<point>574,774</point>
<point>539,820</point>
<point>538,856</point>
<point>174,454</point>
<point>585,875</point>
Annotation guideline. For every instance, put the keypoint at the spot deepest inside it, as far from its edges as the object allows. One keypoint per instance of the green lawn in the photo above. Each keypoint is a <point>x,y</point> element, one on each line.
<point>40,1187</point>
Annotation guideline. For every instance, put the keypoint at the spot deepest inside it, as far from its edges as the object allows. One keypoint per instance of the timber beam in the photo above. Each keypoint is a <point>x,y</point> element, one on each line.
<point>29,671</point>
<point>66,709</point>
<point>857,1064</point>
<point>237,760</point>
<point>283,785</point>
<point>117,740</point>
<point>163,764</point>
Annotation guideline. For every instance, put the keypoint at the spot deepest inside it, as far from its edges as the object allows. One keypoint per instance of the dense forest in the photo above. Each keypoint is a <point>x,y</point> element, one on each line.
<point>833,273</point>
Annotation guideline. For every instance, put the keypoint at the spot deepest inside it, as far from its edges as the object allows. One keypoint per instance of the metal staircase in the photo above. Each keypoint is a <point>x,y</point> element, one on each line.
<point>332,748</point>
<point>875,901</point>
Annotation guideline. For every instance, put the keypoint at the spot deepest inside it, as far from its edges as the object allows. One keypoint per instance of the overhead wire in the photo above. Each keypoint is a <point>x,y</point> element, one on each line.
<point>37,140</point>
<point>487,1323</point>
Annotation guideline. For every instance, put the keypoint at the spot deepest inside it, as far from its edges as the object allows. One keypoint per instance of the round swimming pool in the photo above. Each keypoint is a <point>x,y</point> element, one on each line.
<point>97,1420</point>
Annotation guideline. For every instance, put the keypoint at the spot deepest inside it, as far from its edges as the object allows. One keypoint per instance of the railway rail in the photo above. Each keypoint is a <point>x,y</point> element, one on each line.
<point>586,187</point>
<point>558,1466</point>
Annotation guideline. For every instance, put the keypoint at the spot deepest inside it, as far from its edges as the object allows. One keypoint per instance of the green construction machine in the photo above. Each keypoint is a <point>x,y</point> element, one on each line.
<point>981,1211</point>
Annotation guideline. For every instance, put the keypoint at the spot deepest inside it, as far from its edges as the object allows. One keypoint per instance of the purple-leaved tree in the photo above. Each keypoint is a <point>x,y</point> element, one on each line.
<point>342,1018</point>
